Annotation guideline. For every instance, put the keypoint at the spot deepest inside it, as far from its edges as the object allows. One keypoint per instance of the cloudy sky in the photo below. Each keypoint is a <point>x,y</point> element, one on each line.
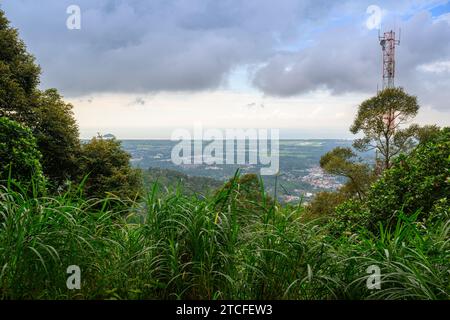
<point>141,68</point>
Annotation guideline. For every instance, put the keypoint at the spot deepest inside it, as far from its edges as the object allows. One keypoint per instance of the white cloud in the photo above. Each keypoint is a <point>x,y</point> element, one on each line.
<point>436,67</point>
<point>444,17</point>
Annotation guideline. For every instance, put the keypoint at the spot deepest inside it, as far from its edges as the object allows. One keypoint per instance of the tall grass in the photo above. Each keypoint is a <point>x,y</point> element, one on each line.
<point>171,246</point>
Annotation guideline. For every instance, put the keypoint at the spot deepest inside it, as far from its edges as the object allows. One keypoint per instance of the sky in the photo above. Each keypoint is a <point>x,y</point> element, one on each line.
<point>140,69</point>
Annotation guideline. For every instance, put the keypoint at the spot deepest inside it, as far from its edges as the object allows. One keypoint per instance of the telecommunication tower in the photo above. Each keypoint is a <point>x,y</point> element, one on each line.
<point>388,43</point>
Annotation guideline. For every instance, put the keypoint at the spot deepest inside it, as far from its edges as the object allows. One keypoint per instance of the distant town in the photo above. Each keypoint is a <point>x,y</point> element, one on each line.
<point>300,176</point>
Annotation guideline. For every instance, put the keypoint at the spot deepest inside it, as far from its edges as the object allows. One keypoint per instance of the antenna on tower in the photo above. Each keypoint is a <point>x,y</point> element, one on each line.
<point>388,43</point>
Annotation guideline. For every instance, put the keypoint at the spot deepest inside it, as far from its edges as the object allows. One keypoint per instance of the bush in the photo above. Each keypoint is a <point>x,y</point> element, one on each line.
<point>324,203</point>
<point>19,156</point>
<point>349,218</point>
<point>415,182</point>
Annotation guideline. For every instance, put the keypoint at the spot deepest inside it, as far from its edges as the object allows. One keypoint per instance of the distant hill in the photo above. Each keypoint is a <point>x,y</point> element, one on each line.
<point>171,179</point>
<point>109,136</point>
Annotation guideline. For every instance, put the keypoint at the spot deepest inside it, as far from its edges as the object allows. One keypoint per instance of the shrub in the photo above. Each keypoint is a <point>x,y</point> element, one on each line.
<point>349,218</point>
<point>415,182</point>
<point>19,156</point>
<point>324,204</point>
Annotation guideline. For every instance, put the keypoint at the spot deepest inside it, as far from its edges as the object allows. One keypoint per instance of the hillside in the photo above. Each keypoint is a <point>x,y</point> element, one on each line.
<point>173,180</point>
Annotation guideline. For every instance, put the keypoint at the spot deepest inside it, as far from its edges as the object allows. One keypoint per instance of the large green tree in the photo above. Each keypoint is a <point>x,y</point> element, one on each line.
<point>106,167</point>
<point>381,120</point>
<point>19,75</point>
<point>57,135</point>
<point>45,113</point>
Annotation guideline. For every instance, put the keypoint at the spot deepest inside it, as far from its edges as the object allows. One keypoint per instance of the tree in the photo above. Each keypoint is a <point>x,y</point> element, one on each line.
<point>45,113</point>
<point>57,135</point>
<point>427,133</point>
<point>381,118</point>
<point>345,163</point>
<point>108,170</point>
<point>19,156</point>
<point>342,162</point>
<point>19,75</point>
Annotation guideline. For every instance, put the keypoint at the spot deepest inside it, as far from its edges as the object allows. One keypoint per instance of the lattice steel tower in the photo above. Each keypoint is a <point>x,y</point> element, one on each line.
<point>388,43</point>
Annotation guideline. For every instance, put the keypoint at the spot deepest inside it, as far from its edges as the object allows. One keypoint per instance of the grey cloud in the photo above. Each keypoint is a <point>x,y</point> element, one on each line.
<point>141,46</point>
<point>349,60</point>
<point>144,46</point>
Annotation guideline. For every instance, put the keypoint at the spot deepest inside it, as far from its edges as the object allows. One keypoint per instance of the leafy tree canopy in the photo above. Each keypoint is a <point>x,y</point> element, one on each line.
<point>19,74</point>
<point>427,133</point>
<point>381,120</point>
<point>57,135</point>
<point>45,113</point>
<point>109,171</point>
<point>19,156</point>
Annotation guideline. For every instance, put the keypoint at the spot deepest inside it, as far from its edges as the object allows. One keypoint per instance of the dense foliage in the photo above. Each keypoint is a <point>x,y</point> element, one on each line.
<point>415,182</point>
<point>246,196</point>
<point>57,134</point>
<point>19,75</point>
<point>44,112</point>
<point>381,120</point>
<point>105,169</point>
<point>19,156</point>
